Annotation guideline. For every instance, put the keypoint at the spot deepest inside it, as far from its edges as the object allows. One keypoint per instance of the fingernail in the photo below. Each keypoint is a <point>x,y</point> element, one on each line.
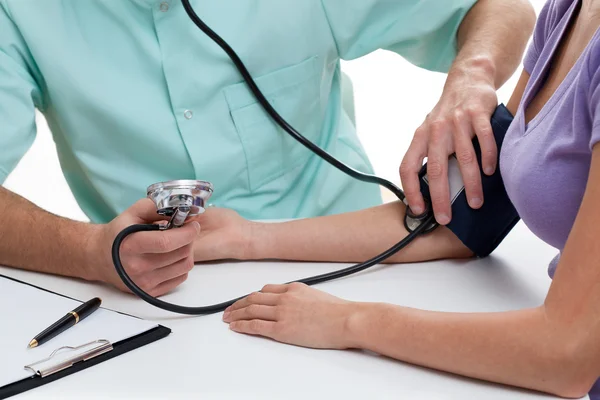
<point>417,210</point>
<point>226,315</point>
<point>489,171</point>
<point>232,326</point>
<point>476,202</point>
<point>443,219</point>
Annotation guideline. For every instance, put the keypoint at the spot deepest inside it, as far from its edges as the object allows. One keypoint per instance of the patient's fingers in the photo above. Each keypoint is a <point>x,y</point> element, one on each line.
<point>275,288</point>
<point>266,299</point>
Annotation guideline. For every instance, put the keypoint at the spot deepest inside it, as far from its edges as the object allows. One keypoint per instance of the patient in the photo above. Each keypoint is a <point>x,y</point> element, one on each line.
<point>551,168</point>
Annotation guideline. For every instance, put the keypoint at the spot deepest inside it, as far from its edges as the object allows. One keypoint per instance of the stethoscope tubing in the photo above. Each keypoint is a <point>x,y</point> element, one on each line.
<point>424,227</point>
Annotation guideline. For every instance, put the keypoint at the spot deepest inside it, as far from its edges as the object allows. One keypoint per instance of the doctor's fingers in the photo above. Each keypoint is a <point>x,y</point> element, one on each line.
<point>145,263</point>
<point>155,280</point>
<point>440,147</point>
<point>154,242</point>
<point>485,135</point>
<point>467,160</point>
<point>167,286</point>
<point>143,211</point>
<point>410,167</point>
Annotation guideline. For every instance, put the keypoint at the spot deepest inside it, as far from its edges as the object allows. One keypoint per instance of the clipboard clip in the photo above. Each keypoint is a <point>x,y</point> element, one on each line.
<point>50,365</point>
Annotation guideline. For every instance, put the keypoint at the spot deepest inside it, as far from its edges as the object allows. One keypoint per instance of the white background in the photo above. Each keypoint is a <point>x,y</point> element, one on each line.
<point>392,99</point>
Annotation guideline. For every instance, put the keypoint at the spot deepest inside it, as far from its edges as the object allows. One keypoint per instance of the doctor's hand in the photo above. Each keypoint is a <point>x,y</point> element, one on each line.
<point>295,314</point>
<point>464,110</point>
<point>157,261</point>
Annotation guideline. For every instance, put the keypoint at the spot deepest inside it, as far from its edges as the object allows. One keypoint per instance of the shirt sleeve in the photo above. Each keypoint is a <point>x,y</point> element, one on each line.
<point>593,72</point>
<point>424,32</point>
<point>19,95</point>
<point>550,16</point>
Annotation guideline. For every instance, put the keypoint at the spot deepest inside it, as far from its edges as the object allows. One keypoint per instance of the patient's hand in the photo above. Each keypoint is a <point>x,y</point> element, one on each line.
<point>223,235</point>
<point>294,314</point>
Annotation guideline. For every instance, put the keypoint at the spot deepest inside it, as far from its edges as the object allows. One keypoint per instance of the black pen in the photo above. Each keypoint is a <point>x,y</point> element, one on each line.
<point>71,319</point>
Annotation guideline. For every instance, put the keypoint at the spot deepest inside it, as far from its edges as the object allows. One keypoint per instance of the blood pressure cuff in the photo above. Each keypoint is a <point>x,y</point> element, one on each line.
<point>481,230</point>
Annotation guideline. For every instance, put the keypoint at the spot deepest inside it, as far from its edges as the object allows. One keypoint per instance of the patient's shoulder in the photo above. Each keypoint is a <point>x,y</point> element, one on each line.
<point>551,15</point>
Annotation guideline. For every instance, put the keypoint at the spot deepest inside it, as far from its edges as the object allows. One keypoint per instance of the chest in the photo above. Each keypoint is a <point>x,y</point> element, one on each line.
<point>545,161</point>
<point>546,156</point>
<point>114,49</point>
<point>137,80</point>
<point>551,80</point>
<point>577,34</point>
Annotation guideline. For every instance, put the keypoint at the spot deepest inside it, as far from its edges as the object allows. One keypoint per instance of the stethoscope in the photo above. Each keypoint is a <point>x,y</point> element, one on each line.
<point>182,199</point>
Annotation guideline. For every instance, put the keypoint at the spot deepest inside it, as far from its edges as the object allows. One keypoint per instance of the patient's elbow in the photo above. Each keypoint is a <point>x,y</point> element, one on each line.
<point>575,388</point>
<point>575,370</point>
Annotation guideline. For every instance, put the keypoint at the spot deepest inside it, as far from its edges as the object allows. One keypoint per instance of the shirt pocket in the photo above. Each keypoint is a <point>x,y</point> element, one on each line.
<point>270,152</point>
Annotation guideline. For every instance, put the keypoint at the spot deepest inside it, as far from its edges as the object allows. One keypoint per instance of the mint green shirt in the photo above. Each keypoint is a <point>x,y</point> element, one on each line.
<point>135,94</point>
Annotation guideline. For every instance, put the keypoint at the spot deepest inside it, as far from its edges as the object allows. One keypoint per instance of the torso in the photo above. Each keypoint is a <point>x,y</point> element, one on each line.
<point>546,155</point>
<point>135,94</point>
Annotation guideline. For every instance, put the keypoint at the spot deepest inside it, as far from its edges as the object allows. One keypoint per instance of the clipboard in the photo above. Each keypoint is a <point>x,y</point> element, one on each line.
<point>62,361</point>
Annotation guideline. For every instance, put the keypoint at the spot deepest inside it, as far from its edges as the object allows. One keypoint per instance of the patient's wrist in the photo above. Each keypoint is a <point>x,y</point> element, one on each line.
<point>363,321</point>
<point>260,241</point>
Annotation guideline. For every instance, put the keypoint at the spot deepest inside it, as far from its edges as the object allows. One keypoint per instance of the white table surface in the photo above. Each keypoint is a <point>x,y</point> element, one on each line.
<point>203,359</point>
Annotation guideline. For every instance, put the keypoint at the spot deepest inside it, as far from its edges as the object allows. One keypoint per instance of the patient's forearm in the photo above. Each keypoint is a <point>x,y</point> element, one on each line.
<point>33,239</point>
<point>521,348</point>
<point>352,237</point>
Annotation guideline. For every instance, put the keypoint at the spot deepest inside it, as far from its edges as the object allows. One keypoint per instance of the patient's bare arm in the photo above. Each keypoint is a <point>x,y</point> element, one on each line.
<point>351,237</point>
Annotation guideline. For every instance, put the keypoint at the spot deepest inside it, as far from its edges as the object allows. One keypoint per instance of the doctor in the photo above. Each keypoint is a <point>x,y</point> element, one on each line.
<point>135,94</point>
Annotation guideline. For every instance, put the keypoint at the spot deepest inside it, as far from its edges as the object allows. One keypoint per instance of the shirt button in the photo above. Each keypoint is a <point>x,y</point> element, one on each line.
<point>188,114</point>
<point>164,6</point>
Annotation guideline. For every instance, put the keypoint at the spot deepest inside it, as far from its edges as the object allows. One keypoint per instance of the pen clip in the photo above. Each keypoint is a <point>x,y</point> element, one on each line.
<point>38,368</point>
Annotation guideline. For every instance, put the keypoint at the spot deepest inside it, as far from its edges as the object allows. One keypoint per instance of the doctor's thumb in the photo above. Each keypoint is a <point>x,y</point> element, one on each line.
<point>145,211</point>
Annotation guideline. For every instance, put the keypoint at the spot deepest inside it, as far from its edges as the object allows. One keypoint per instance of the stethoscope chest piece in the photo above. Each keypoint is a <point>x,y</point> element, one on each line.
<point>180,199</point>
<point>413,221</point>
